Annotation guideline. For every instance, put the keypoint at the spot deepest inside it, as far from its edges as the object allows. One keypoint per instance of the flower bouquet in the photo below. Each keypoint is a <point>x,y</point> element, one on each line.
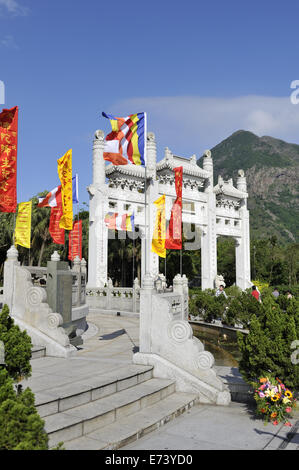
<point>275,402</point>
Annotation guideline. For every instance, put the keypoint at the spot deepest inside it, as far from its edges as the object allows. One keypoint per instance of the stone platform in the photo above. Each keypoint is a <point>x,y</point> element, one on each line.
<point>100,400</point>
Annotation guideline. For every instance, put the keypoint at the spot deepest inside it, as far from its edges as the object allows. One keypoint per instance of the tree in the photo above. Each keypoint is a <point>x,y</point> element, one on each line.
<point>267,347</point>
<point>20,424</point>
<point>17,346</point>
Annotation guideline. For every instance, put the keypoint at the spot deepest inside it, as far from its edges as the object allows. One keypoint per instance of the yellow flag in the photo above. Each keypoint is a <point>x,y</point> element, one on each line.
<point>158,241</point>
<point>65,176</point>
<point>23,225</point>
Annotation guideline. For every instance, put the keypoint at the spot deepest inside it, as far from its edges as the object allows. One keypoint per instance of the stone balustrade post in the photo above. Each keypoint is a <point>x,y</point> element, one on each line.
<point>9,276</point>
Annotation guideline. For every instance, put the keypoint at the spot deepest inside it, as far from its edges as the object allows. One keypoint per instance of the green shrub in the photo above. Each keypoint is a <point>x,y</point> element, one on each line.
<point>267,347</point>
<point>210,307</point>
<point>20,424</point>
<point>241,308</point>
<point>17,347</point>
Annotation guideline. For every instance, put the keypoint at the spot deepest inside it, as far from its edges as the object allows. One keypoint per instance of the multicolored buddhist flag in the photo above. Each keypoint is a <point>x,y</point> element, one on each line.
<point>158,241</point>
<point>75,241</point>
<point>127,141</point>
<point>53,198</point>
<point>8,159</point>
<point>65,176</point>
<point>23,225</point>
<point>57,233</point>
<point>115,221</point>
<point>174,230</point>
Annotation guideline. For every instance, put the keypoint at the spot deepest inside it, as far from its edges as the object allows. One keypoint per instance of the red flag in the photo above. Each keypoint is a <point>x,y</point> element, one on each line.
<point>174,231</point>
<point>8,159</point>
<point>75,241</point>
<point>56,232</point>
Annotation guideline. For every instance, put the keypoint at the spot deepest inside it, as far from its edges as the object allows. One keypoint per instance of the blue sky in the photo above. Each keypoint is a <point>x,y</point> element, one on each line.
<point>201,70</point>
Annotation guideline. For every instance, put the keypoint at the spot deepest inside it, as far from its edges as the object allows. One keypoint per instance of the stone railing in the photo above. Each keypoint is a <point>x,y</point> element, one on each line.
<point>126,299</point>
<point>49,303</point>
<point>167,343</point>
<point>39,278</point>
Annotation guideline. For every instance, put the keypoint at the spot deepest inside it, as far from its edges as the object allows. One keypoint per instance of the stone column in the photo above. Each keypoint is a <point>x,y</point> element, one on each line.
<point>98,207</point>
<point>9,276</point>
<point>208,238</point>
<point>146,313</point>
<point>243,274</point>
<point>149,260</point>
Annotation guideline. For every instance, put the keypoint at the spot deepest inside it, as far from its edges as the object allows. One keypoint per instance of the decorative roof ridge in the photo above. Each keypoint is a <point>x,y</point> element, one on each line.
<point>188,169</point>
<point>226,188</point>
<point>129,170</point>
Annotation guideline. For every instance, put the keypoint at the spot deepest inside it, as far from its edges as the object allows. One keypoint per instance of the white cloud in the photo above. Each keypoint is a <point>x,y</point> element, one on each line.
<point>9,42</point>
<point>190,124</point>
<point>13,7</point>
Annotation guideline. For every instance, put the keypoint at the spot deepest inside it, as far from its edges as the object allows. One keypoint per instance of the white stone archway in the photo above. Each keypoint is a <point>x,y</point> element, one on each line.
<point>219,210</point>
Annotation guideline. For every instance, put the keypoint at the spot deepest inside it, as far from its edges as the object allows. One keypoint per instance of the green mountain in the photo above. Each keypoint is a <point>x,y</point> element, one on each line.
<point>272,170</point>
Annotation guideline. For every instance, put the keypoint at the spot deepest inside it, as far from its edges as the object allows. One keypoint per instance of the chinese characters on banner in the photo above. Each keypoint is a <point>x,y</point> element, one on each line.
<point>174,231</point>
<point>75,241</point>
<point>8,159</point>
<point>23,225</point>
<point>158,241</point>
<point>65,176</point>
<point>56,232</point>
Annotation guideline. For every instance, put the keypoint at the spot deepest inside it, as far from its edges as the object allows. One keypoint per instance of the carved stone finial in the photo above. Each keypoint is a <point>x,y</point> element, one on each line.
<point>151,137</point>
<point>167,154</point>
<point>55,256</point>
<point>99,135</point>
<point>193,160</point>
<point>12,253</point>
<point>207,154</point>
<point>220,181</point>
<point>241,173</point>
<point>77,261</point>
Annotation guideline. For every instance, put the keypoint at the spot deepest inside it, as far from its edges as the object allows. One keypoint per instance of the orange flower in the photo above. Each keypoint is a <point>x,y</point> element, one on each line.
<point>263,380</point>
<point>273,415</point>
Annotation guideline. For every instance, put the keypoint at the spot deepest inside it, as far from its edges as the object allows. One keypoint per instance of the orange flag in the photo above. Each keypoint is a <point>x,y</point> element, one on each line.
<point>56,232</point>
<point>65,176</point>
<point>75,241</point>
<point>8,159</point>
<point>174,230</point>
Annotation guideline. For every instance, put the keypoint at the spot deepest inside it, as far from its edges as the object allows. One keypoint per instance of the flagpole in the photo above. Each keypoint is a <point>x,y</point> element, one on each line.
<point>181,261</point>
<point>145,192</point>
<point>14,228</point>
<point>165,268</point>
<point>133,256</point>
<point>78,231</point>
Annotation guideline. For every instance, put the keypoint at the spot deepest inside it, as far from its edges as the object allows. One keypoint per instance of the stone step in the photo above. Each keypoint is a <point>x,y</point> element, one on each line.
<point>129,429</point>
<point>38,351</point>
<point>62,398</point>
<point>84,419</point>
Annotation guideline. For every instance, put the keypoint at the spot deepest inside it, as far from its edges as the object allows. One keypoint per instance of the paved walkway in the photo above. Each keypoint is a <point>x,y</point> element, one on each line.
<point>108,346</point>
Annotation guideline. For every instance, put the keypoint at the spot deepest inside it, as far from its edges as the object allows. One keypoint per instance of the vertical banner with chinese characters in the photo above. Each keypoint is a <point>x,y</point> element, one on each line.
<point>158,241</point>
<point>75,241</point>
<point>8,159</point>
<point>23,225</point>
<point>174,230</point>
<point>65,176</point>
<point>56,232</point>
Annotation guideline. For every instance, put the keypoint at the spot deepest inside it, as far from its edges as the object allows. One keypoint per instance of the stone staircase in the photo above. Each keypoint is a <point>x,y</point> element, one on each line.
<point>108,412</point>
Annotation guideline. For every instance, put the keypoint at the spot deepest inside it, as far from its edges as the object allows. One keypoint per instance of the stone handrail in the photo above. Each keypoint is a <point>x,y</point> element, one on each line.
<point>114,298</point>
